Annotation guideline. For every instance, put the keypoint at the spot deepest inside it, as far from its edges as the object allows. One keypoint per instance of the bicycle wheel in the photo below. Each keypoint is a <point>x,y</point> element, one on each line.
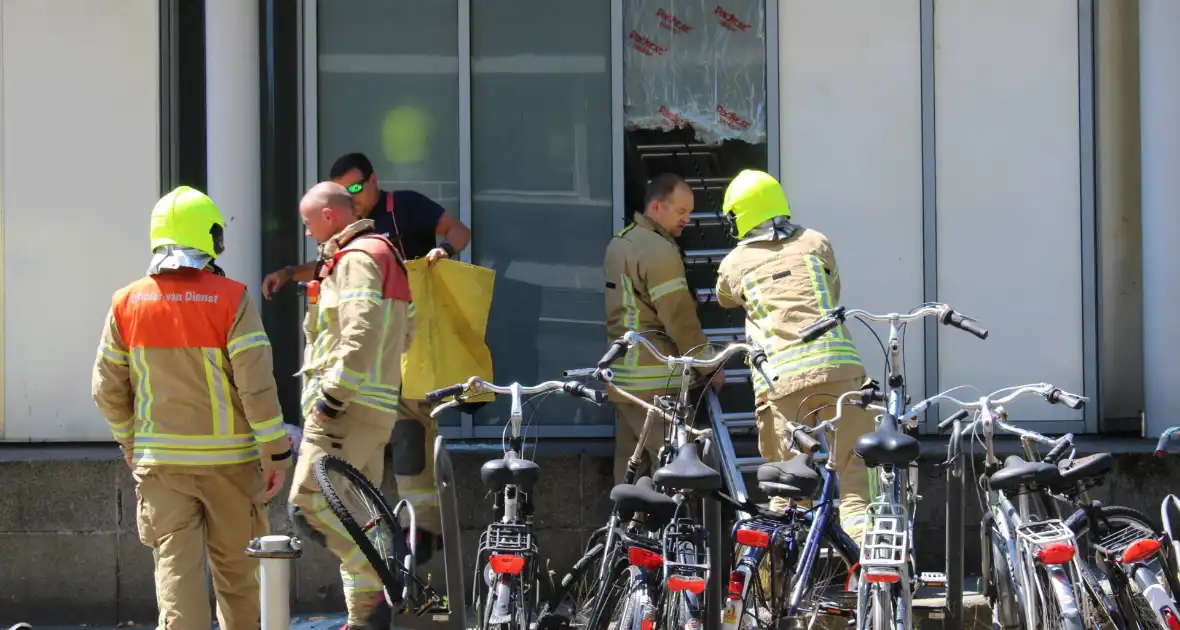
<point>573,603</point>
<point>1118,526</point>
<point>999,582</point>
<point>381,539</point>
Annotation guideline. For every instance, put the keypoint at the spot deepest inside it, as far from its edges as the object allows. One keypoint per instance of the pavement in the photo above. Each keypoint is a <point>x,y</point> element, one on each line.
<point>928,615</point>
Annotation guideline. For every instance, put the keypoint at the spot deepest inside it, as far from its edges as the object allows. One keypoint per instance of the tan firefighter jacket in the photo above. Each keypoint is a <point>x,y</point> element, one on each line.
<point>184,374</point>
<point>357,327</point>
<point>784,283</point>
<point>646,291</point>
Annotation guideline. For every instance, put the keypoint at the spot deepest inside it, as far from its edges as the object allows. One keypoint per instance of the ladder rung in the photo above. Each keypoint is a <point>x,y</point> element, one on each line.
<point>704,255</point>
<point>738,420</point>
<point>706,181</point>
<point>726,335</point>
<point>747,464</point>
<point>675,148</point>
<point>737,376</point>
<point>706,295</point>
<point>707,218</point>
<point>668,154</point>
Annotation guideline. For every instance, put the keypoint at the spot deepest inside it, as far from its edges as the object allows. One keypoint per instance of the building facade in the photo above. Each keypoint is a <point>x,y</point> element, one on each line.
<point>1016,160</point>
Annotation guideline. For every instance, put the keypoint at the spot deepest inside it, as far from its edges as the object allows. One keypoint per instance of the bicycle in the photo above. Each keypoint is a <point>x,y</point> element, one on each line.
<point>1120,556</point>
<point>1131,559</point>
<point>887,579</point>
<point>1170,509</point>
<point>507,556</point>
<point>649,564</point>
<point>381,538</point>
<point>1030,575</point>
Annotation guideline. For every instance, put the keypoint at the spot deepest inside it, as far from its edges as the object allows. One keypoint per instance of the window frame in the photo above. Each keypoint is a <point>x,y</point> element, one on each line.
<point>466,429</point>
<point>1092,423</point>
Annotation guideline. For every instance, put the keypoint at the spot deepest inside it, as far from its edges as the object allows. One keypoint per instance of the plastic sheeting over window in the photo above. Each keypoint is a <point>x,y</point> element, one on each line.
<point>697,62</point>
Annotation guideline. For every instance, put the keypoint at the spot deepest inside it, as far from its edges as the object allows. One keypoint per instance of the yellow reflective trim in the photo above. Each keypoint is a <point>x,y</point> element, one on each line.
<point>363,295</point>
<point>242,343</point>
<point>667,288</point>
<point>386,319</point>
<point>143,388</point>
<point>219,391</point>
<point>268,430</point>
<point>376,403</point>
<point>117,357</point>
<point>152,455</point>
<point>122,430</point>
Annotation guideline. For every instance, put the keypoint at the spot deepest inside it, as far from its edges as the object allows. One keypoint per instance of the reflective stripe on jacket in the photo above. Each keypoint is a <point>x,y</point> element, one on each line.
<point>783,285</point>
<point>359,328</point>
<point>184,374</point>
<point>646,291</point>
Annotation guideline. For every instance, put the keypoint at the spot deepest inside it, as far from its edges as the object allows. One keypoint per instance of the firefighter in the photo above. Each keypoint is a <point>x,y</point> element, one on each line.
<point>357,327</point>
<point>785,276</point>
<point>646,291</point>
<point>413,222</point>
<point>183,376</point>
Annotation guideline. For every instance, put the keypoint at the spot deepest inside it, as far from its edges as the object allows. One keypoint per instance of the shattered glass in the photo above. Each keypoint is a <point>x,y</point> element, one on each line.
<point>698,62</point>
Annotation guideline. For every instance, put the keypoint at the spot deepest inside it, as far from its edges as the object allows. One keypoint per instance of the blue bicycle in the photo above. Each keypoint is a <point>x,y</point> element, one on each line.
<point>807,542</point>
<point>879,577</point>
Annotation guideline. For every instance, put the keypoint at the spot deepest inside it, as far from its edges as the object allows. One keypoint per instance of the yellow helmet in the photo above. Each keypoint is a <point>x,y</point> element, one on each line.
<point>188,218</point>
<point>752,198</point>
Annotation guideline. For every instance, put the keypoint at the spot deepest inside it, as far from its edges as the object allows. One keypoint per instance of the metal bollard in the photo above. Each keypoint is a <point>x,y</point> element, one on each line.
<point>275,552</point>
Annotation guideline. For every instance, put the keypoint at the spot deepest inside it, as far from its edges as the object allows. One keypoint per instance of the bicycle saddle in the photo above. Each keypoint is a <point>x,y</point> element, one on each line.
<point>1085,468</point>
<point>688,472</point>
<point>1017,473</point>
<point>640,497</point>
<point>792,479</point>
<point>887,447</point>
<point>498,473</point>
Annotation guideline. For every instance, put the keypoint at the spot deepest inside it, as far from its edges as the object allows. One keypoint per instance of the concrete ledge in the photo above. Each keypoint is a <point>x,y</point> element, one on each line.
<point>69,551</point>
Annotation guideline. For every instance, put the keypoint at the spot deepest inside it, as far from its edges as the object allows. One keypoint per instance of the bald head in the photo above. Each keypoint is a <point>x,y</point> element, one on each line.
<point>326,209</point>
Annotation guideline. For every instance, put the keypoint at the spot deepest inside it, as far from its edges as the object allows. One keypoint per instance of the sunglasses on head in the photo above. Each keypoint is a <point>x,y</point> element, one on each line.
<point>356,188</point>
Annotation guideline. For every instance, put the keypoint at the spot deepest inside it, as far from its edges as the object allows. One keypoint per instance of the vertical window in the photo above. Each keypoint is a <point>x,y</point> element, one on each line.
<point>389,87</point>
<point>695,105</point>
<point>541,188</point>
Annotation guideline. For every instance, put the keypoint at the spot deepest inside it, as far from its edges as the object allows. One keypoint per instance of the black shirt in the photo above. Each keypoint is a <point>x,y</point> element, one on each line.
<point>409,221</point>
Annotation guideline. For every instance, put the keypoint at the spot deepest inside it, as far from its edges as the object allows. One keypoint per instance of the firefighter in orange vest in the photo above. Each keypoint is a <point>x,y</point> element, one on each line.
<point>357,328</point>
<point>183,377</point>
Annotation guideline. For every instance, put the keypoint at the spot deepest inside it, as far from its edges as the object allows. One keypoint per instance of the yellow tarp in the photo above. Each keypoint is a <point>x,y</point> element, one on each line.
<point>451,304</point>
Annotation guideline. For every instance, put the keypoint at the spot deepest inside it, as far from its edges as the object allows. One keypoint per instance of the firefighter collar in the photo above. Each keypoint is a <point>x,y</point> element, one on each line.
<point>172,257</point>
<point>642,220</point>
<point>772,230</point>
<point>336,243</point>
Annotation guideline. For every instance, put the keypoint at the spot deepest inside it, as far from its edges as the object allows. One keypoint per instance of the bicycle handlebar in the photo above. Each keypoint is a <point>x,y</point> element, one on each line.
<point>477,386</point>
<point>1161,446</point>
<point>630,339</point>
<point>946,316</point>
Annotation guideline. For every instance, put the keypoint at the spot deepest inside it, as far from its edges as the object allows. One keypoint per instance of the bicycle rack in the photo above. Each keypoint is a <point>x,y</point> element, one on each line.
<point>455,616</point>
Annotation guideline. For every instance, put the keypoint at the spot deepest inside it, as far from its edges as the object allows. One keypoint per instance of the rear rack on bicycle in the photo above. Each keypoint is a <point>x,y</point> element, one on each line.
<point>685,551</point>
<point>1114,544</point>
<point>507,539</point>
<point>886,538</point>
<point>1037,535</point>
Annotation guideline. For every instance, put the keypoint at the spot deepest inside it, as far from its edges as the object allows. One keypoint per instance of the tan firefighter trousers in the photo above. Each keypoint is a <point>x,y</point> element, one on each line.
<point>854,422</point>
<point>361,444</point>
<point>412,461</point>
<point>188,513</point>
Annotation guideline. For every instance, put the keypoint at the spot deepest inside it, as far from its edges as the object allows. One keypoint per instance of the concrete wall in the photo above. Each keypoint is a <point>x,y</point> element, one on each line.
<point>79,173</point>
<point>69,551</point>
